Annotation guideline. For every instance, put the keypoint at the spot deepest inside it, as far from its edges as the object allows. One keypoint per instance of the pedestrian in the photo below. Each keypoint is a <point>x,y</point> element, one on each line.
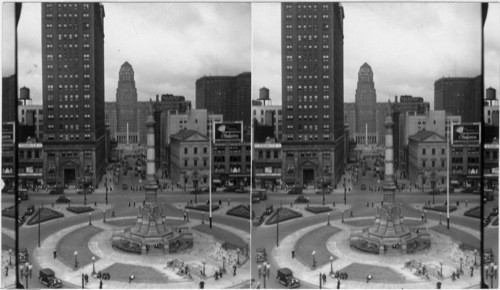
<point>129,204</point>
<point>220,202</point>
<point>202,284</point>
<point>368,278</point>
<point>185,216</point>
<point>293,254</point>
<point>216,275</point>
<point>30,268</point>
<point>100,284</point>
<point>422,216</point>
<point>95,203</point>
<point>453,276</point>
<point>134,203</point>
<point>234,270</point>
<point>324,278</point>
<point>228,202</point>
<point>6,271</point>
<point>113,214</point>
<point>338,284</point>
<point>372,204</point>
<point>466,203</point>
<point>86,279</point>
<point>471,271</point>
<point>352,214</point>
<point>131,278</point>
<point>438,285</point>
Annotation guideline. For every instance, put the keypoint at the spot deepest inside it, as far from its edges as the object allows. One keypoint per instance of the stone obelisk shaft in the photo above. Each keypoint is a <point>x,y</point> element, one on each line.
<point>150,185</point>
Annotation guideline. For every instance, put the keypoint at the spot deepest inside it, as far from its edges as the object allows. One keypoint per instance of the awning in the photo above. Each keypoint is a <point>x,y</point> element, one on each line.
<point>216,181</point>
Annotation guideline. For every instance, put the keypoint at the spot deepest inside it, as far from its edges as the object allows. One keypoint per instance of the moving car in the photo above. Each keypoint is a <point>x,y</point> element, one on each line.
<point>295,190</point>
<point>488,256</point>
<point>261,255</point>
<point>23,194</point>
<point>301,199</point>
<point>63,199</point>
<point>285,277</point>
<point>23,256</point>
<point>30,210</point>
<point>48,278</point>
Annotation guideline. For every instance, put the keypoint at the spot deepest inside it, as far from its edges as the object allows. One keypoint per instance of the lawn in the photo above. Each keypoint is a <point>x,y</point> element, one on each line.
<point>284,215</point>
<point>441,208</point>
<point>77,241</point>
<point>474,212</point>
<point>459,235</point>
<point>380,274</point>
<point>46,214</point>
<point>315,241</point>
<point>318,209</point>
<point>121,272</point>
<point>241,210</point>
<point>221,235</point>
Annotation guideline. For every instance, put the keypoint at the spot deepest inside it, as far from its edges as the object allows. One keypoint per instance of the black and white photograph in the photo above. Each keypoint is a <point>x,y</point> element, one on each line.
<point>250,145</point>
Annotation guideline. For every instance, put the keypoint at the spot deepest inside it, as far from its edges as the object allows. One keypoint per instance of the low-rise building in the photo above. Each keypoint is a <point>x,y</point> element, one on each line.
<point>30,164</point>
<point>490,170</point>
<point>427,159</point>
<point>189,159</point>
<point>267,164</point>
<point>231,163</point>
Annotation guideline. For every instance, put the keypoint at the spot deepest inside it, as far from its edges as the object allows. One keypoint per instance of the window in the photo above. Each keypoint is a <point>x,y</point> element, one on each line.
<point>433,151</point>
<point>195,151</point>
<point>185,163</point>
<point>423,152</point>
<point>185,150</point>
<point>442,151</point>
<point>423,163</point>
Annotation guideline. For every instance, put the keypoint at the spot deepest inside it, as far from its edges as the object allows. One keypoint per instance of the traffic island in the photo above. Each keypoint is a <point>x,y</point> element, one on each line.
<point>242,211</point>
<point>314,241</point>
<point>122,272</point>
<point>77,241</point>
<point>318,209</point>
<point>79,209</point>
<point>282,214</point>
<point>42,215</point>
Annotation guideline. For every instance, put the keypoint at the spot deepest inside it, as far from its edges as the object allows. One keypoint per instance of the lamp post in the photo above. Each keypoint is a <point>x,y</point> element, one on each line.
<point>461,261</point>
<point>93,265</point>
<point>314,259</point>
<point>39,225</point>
<point>26,273</point>
<point>331,265</point>
<point>90,218</point>
<point>342,215</point>
<point>328,223</point>
<point>224,264</point>
<point>204,262</point>
<point>10,257</point>
<point>104,216</point>
<point>76,259</point>
<point>475,257</point>
<point>238,256</point>
<point>441,263</point>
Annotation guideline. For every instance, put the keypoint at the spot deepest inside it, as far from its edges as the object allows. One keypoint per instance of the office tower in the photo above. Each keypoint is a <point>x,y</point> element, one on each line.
<point>460,96</point>
<point>366,99</point>
<point>312,44</point>
<point>126,101</point>
<point>73,93</point>
<point>226,95</point>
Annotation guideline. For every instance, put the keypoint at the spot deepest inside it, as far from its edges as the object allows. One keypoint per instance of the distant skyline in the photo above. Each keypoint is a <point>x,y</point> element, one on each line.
<point>169,45</point>
<point>408,45</point>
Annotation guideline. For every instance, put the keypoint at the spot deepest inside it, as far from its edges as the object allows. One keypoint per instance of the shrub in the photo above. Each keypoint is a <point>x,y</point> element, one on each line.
<point>284,215</point>
<point>79,209</point>
<point>318,209</point>
<point>8,212</point>
<point>242,211</point>
<point>365,246</point>
<point>203,207</point>
<point>441,208</point>
<point>46,214</point>
<point>127,246</point>
<point>474,212</point>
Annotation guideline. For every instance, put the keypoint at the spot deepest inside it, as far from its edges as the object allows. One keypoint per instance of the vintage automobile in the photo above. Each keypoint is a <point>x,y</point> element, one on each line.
<point>285,277</point>
<point>23,256</point>
<point>30,210</point>
<point>48,278</point>
<point>258,221</point>
<point>302,199</point>
<point>261,255</point>
<point>295,190</point>
<point>488,256</point>
<point>63,199</point>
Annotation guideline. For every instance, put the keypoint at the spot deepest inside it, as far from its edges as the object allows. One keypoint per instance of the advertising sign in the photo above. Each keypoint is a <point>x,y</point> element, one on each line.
<point>228,132</point>
<point>466,133</point>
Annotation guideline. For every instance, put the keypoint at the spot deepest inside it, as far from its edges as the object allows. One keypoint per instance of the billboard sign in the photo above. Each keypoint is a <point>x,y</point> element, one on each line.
<point>228,132</point>
<point>466,133</point>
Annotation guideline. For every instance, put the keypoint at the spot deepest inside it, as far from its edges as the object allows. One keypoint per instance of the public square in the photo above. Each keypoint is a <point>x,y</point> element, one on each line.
<point>225,245</point>
<point>326,235</point>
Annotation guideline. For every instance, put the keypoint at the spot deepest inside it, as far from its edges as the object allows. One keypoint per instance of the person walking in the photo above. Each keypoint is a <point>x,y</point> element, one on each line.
<point>6,271</point>
<point>100,284</point>
<point>234,270</point>
<point>324,278</point>
<point>86,277</point>
<point>30,269</point>
<point>113,214</point>
<point>131,278</point>
<point>338,284</point>
<point>293,254</point>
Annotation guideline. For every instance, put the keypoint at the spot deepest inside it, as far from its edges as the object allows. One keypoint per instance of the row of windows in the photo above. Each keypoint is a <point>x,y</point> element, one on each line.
<point>433,151</point>
<point>433,163</point>
<point>68,137</point>
<point>68,97</point>
<point>195,150</point>
<point>50,88</point>
<point>195,162</point>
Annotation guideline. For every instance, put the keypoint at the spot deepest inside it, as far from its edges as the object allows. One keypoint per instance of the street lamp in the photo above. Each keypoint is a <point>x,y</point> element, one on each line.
<point>475,257</point>
<point>204,262</point>
<point>238,256</point>
<point>76,259</point>
<point>342,215</point>
<point>331,265</point>
<point>26,273</point>
<point>224,264</point>
<point>10,257</point>
<point>328,223</point>
<point>314,258</point>
<point>441,263</point>
<point>90,218</point>
<point>93,265</point>
<point>104,216</point>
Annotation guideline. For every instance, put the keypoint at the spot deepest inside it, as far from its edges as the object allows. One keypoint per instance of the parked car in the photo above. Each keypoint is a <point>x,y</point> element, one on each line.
<point>269,210</point>
<point>48,278</point>
<point>302,199</point>
<point>295,190</point>
<point>241,190</point>
<point>285,277</point>
<point>23,194</point>
<point>258,221</point>
<point>63,199</point>
<point>327,191</point>
<point>261,255</point>
<point>488,256</point>
<point>23,256</point>
<point>30,210</point>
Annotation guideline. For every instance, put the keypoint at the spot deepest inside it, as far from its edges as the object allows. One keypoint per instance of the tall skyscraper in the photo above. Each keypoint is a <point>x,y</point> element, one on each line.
<point>312,44</point>
<point>366,99</point>
<point>460,97</point>
<point>226,95</point>
<point>126,100</point>
<point>73,93</point>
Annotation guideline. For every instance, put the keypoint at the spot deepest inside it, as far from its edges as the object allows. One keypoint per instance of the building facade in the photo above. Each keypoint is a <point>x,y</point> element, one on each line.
<point>491,108</point>
<point>126,102</point>
<point>269,115</point>
<point>190,159</point>
<point>226,95</point>
<point>267,164</point>
<point>427,160</point>
<point>231,164</point>
<point>32,115</point>
<point>460,97</point>
<point>9,98</point>
<point>30,164</point>
<point>312,43</point>
<point>73,93</point>
<point>490,170</point>
<point>110,118</point>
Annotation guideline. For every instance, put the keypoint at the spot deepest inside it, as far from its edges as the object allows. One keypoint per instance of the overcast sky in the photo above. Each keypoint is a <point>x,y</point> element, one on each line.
<point>169,45</point>
<point>408,45</point>
<point>492,48</point>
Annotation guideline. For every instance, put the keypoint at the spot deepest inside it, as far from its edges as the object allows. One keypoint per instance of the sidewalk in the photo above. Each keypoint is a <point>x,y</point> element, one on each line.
<point>339,246</point>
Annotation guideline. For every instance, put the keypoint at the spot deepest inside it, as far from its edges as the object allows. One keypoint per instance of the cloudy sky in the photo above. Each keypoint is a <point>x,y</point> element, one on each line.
<point>492,48</point>
<point>408,45</point>
<point>169,45</point>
